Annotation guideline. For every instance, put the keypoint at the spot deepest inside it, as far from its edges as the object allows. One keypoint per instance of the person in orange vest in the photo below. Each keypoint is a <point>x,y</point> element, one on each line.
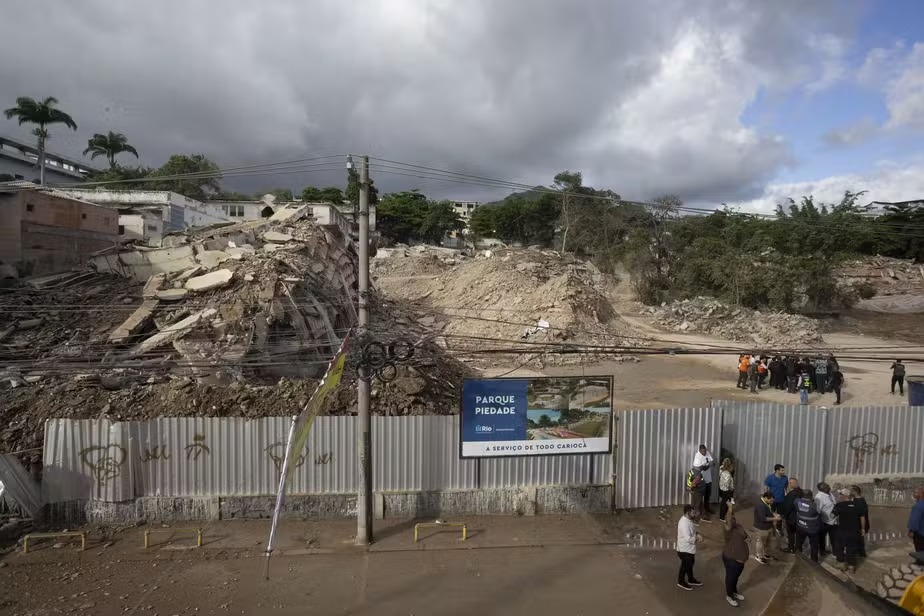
<point>743,363</point>
<point>761,372</point>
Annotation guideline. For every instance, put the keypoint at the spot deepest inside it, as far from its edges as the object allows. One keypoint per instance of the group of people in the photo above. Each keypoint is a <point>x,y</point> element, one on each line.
<point>836,522</point>
<point>802,375</point>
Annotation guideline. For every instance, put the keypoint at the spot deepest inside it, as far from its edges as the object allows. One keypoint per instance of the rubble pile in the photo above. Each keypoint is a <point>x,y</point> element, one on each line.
<point>503,297</point>
<point>887,275</point>
<point>767,330</point>
<point>236,320</point>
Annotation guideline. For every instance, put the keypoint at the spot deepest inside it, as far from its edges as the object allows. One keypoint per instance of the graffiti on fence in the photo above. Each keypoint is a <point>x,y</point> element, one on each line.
<point>863,444</point>
<point>324,458</point>
<point>158,452</point>
<point>105,463</point>
<point>277,453</point>
<point>197,447</point>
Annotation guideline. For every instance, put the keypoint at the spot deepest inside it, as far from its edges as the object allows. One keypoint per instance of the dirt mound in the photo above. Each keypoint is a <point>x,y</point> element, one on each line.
<point>766,330</point>
<point>886,276</point>
<point>504,297</point>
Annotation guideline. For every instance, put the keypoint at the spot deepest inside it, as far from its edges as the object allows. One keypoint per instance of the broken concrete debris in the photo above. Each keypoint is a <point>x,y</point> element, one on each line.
<point>247,335</point>
<point>207,282</point>
<point>277,238</point>
<point>502,294</point>
<point>766,330</point>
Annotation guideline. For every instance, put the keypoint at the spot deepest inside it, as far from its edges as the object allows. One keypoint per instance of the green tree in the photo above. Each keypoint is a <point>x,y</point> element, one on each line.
<point>352,190</point>
<point>124,178</point>
<point>400,215</point>
<point>110,146</point>
<point>545,421</point>
<point>191,175</point>
<point>483,222</point>
<point>41,113</point>
<point>440,218</point>
<point>331,194</point>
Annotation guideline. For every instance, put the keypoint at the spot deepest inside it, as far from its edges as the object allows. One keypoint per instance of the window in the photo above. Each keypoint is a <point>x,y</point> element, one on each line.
<point>121,229</point>
<point>235,211</point>
<point>30,207</point>
<point>83,216</point>
<point>152,228</point>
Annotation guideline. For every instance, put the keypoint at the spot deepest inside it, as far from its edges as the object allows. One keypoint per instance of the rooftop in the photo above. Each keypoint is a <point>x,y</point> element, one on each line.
<point>24,152</point>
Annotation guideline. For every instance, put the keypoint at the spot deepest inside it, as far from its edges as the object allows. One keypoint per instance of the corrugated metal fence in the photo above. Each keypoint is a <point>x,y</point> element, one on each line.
<point>91,459</point>
<point>114,462</point>
<point>655,449</point>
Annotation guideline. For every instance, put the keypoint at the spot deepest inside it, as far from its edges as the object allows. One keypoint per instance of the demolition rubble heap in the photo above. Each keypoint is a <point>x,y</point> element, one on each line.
<point>766,330</point>
<point>237,320</point>
<point>896,285</point>
<point>504,298</point>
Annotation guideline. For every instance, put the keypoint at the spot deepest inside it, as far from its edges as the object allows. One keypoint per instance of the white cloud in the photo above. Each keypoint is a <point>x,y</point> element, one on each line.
<point>854,134</point>
<point>888,182</point>
<point>905,93</point>
<point>644,98</point>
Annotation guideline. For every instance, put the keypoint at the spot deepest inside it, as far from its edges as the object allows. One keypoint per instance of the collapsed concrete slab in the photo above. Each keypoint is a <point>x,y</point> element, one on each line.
<point>173,332</point>
<point>210,259</point>
<point>172,295</point>
<point>212,280</point>
<point>276,237</point>
<point>134,324</point>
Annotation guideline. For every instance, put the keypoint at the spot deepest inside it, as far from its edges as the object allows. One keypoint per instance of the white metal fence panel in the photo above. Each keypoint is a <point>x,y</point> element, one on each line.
<point>760,435</point>
<point>420,453</point>
<point>86,459</point>
<point>655,449</point>
<point>875,441</point>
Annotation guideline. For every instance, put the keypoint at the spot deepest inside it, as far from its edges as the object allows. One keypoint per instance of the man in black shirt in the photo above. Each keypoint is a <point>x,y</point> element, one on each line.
<point>836,381</point>
<point>863,509</point>
<point>849,529</point>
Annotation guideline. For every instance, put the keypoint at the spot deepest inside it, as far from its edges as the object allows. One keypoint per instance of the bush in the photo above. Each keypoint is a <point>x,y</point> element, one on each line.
<point>866,290</point>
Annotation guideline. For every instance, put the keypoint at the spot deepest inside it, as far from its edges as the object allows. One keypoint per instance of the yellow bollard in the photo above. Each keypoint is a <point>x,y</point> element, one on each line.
<point>81,534</point>
<point>420,525</point>
<point>147,534</point>
<point>913,599</point>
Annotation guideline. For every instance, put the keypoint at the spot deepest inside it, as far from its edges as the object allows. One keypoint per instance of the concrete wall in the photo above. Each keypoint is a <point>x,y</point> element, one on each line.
<point>893,491</point>
<point>392,505</point>
<point>56,233</point>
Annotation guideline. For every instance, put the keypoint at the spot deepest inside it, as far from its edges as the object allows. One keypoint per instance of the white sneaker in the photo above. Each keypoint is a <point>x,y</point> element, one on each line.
<point>731,601</point>
<point>739,597</point>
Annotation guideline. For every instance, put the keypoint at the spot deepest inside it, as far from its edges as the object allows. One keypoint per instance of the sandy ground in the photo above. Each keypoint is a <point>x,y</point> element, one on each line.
<point>544,565</point>
<point>587,565</point>
<point>696,380</point>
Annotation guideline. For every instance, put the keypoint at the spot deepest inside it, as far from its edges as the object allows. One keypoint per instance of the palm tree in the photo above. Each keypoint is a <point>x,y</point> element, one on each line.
<point>110,146</point>
<point>41,113</point>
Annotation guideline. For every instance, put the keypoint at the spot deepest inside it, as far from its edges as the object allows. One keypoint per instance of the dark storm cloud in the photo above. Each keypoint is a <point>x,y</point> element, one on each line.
<point>645,98</point>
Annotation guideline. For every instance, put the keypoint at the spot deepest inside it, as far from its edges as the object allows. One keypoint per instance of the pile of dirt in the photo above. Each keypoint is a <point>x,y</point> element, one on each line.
<point>242,324</point>
<point>766,330</point>
<point>505,297</point>
<point>885,275</point>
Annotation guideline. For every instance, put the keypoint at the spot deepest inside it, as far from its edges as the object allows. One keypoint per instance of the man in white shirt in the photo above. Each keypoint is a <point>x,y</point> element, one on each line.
<point>824,502</point>
<point>686,549</point>
<point>704,460</point>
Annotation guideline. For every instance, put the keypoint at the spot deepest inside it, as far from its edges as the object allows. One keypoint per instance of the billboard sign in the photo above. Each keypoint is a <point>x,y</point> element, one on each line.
<point>536,416</point>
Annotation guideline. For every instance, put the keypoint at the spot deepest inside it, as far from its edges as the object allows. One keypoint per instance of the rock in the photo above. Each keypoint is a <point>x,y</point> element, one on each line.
<point>212,280</point>
<point>210,259</point>
<point>276,237</point>
<point>410,385</point>
<point>271,247</point>
<point>171,295</point>
<point>248,277</point>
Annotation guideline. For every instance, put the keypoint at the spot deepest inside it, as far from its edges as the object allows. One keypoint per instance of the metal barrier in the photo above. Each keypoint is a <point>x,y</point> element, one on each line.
<point>82,535</point>
<point>420,525</point>
<point>147,534</point>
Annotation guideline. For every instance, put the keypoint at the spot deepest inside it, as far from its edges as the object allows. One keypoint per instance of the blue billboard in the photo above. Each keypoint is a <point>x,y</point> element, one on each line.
<point>536,416</point>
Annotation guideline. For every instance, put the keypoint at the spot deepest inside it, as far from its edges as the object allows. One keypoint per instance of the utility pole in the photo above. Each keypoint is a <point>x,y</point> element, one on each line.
<point>364,498</point>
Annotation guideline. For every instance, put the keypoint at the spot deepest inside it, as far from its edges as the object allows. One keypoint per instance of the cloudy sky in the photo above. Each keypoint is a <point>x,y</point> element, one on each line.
<point>719,101</point>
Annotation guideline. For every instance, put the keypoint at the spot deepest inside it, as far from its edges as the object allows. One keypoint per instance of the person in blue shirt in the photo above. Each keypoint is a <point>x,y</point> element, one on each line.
<point>776,483</point>
<point>916,521</point>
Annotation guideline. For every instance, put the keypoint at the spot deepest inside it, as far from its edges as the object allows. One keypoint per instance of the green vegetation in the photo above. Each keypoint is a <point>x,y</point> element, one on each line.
<point>41,113</point>
<point>109,145</point>
<point>406,216</point>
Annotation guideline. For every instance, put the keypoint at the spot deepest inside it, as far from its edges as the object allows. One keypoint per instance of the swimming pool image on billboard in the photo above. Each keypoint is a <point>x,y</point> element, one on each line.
<point>536,416</point>
<point>568,408</point>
